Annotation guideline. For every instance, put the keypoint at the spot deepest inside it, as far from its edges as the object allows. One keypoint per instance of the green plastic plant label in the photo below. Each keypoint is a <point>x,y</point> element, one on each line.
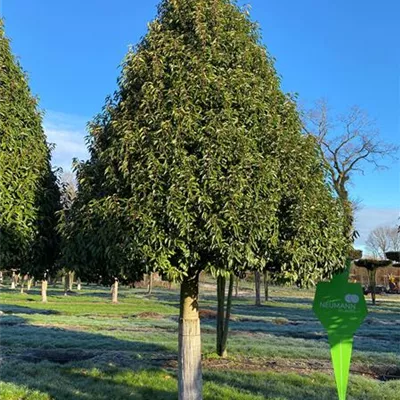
<point>341,308</point>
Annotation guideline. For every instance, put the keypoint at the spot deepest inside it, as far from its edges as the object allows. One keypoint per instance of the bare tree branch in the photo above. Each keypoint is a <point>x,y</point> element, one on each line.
<point>383,239</point>
<point>348,142</point>
<point>68,187</point>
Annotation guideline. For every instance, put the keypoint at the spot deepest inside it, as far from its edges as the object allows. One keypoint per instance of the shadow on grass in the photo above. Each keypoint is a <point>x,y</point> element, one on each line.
<point>378,334</point>
<point>272,310</point>
<point>275,386</point>
<point>171,298</point>
<point>14,309</point>
<point>293,300</point>
<point>105,294</point>
<point>73,364</point>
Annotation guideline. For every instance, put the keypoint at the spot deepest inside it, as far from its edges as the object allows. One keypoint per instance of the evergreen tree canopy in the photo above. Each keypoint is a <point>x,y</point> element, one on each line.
<point>201,154</point>
<point>29,196</point>
<point>310,246</point>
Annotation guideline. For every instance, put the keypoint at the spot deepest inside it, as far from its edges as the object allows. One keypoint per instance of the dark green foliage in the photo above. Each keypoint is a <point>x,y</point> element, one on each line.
<point>371,263</point>
<point>98,242</point>
<point>29,195</point>
<point>310,246</point>
<point>198,161</point>
<point>46,247</point>
<point>393,255</point>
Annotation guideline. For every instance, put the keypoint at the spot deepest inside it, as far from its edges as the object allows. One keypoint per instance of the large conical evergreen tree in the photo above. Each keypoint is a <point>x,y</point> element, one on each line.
<point>189,161</point>
<point>29,195</point>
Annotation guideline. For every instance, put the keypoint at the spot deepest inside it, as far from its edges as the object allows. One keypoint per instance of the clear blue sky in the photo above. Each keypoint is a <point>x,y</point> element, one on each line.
<point>344,50</point>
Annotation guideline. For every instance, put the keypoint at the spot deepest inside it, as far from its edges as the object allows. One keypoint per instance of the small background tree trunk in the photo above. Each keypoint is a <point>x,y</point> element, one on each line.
<point>44,291</point>
<point>189,353</point>
<point>257,283</point>
<point>150,284</point>
<point>24,280</point>
<point>71,276</point>
<point>114,292</point>
<point>66,283</point>
<point>237,286</point>
<point>266,285</point>
<point>78,284</point>
<point>13,280</point>
<point>30,283</point>
<point>372,285</point>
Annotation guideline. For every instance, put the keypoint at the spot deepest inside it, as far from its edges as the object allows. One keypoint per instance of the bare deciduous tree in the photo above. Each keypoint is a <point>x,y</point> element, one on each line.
<point>68,189</point>
<point>348,142</point>
<point>68,193</point>
<point>383,239</point>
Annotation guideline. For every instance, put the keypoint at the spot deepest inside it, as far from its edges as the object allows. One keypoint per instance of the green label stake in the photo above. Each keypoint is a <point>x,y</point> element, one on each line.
<point>341,308</point>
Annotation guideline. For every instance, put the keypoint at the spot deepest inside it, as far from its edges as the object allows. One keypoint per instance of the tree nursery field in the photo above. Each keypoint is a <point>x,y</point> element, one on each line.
<point>82,346</point>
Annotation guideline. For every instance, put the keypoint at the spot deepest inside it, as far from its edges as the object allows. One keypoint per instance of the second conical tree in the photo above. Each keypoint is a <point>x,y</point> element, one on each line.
<point>29,194</point>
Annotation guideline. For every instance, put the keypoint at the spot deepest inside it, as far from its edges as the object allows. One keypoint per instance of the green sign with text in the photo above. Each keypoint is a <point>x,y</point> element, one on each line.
<point>341,308</point>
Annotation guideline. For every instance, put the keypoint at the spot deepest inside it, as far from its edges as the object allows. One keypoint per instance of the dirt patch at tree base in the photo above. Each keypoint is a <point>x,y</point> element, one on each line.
<point>301,367</point>
<point>149,314</point>
<point>207,314</point>
<point>58,356</point>
<point>212,314</point>
<point>387,373</point>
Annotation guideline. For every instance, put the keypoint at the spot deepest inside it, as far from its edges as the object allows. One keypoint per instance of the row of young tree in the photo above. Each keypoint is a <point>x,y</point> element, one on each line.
<point>198,162</point>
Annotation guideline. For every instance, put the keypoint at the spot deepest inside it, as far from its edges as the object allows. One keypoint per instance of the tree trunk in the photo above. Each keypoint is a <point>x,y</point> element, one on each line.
<point>257,283</point>
<point>150,285</point>
<point>189,353</point>
<point>340,187</point>
<point>237,286</point>
<point>66,283</point>
<point>71,276</point>
<point>372,285</point>
<point>30,283</point>
<point>221,280</point>
<point>44,291</point>
<point>114,292</point>
<point>266,285</point>
<point>25,279</point>
<point>223,315</point>
<point>13,280</point>
<point>78,284</point>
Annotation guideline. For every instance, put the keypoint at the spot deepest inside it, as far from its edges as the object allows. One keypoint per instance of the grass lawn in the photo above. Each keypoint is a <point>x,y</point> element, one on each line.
<point>83,347</point>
